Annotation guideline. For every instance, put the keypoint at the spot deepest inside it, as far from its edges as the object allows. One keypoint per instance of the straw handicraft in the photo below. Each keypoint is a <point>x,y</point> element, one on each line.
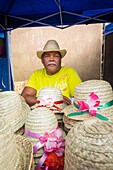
<point>20,131</point>
<point>40,127</point>
<point>89,146</point>
<point>52,142</point>
<point>92,99</point>
<point>39,121</point>
<point>16,152</point>
<point>19,86</point>
<point>52,98</point>
<point>14,109</point>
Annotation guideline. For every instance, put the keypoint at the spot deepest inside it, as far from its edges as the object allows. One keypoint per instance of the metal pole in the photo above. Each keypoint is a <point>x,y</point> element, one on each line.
<point>9,59</point>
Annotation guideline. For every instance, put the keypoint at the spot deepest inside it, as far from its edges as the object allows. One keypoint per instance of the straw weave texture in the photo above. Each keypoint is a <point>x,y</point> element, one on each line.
<point>15,151</point>
<point>40,120</point>
<point>54,93</point>
<point>20,131</point>
<point>19,86</point>
<point>14,109</point>
<point>89,146</point>
<point>101,88</point>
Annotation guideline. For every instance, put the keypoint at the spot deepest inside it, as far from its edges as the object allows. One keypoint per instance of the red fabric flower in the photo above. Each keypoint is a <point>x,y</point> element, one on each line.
<point>54,162</point>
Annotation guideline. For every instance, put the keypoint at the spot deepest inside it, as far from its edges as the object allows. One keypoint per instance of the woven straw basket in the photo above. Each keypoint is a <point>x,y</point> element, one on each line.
<point>101,88</point>
<point>14,109</point>
<point>16,152</point>
<point>89,146</point>
<point>19,86</point>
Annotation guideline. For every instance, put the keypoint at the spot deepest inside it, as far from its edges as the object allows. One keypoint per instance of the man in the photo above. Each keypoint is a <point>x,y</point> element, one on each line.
<point>53,74</point>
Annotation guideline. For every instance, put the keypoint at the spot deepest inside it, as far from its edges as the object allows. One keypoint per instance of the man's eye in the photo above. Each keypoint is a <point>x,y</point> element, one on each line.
<point>46,56</point>
<point>57,55</point>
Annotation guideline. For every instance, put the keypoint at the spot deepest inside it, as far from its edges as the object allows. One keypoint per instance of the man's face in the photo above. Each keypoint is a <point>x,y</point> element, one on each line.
<point>52,62</point>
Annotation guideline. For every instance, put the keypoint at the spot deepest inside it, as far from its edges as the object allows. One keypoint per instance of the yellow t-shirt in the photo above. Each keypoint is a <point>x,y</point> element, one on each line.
<point>66,80</point>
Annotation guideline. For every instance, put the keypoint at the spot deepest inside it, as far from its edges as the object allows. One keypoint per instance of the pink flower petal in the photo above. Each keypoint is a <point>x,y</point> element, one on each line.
<point>83,105</point>
<point>93,100</point>
<point>93,111</point>
<point>50,146</point>
<point>56,133</point>
<point>60,151</point>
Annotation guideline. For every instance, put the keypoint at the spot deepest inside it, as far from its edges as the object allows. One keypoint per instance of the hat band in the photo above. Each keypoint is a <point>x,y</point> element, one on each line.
<point>94,110</point>
<point>51,141</point>
<point>50,105</point>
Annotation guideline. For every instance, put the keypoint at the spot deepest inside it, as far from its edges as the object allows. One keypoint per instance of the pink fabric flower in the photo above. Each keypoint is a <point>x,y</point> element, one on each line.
<point>53,142</point>
<point>47,101</point>
<point>91,104</point>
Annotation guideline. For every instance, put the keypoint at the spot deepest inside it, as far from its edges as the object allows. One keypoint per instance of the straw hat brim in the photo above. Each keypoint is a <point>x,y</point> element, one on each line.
<point>34,141</point>
<point>19,121</point>
<point>61,106</point>
<point>20,131</point>
<point>70,109</point>
<point>69,123</point>
<point>25,150</point>
<point>62,52</point>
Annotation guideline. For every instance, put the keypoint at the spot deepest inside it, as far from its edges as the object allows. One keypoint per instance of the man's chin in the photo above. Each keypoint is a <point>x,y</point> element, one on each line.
<point>52,70</point>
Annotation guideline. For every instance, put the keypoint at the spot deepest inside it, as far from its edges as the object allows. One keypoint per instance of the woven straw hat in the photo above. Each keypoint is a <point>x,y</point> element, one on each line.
<point>40,120</point>
<point>53,98</point>
<point>51,45</point>
<point>89,146</point>
<point>16,152</point>
<point>14,109</point>
<point>69,123</point>
<point>21,130</point>
<point>101,88</point>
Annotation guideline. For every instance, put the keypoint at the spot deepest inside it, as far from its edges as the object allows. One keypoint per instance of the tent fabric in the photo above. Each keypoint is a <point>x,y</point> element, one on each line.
<point>6,74</point>
<point>6,82</point>
<point>108,29</point>
<point>58,13</point>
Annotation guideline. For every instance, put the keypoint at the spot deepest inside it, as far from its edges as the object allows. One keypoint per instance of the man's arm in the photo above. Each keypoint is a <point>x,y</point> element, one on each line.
<point>66,100</point>
<point>29,95</point>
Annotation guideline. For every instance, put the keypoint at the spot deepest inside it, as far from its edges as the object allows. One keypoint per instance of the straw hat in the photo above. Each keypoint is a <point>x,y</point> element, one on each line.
<point>101,88</point>
<point>20,131</point>
<point>89,145</point>
<point>14,109</point>
<point>39,121</point>
<point>15,151</point>
<point>51,45</point>
<point>52,98</point>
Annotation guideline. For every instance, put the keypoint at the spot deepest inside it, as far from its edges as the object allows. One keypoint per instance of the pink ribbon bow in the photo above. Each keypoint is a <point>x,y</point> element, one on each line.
<point>53,142</point>
<point>49,102</point>
<point>91,104</point>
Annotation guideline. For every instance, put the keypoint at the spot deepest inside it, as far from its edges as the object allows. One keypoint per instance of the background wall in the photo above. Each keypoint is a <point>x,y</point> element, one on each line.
<point>108,59</point>
<point>82,42</point>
